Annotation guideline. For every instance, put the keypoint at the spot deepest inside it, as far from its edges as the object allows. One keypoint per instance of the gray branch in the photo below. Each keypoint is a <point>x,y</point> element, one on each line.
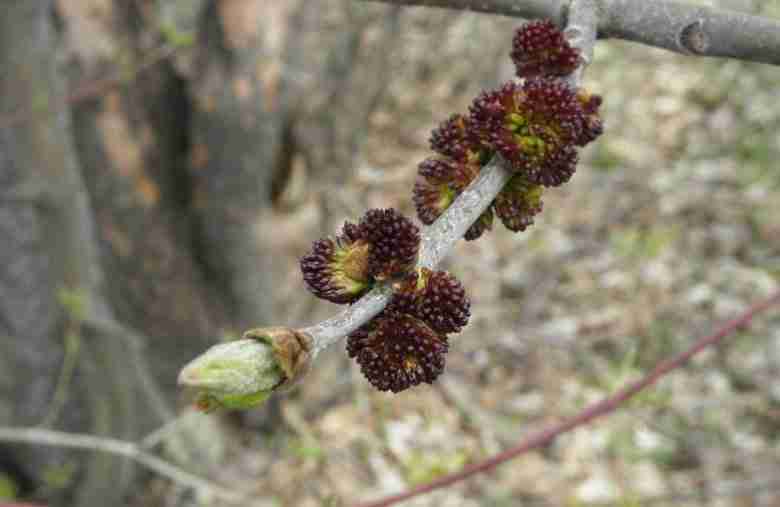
<point>130,450</point>
<point>675,26</point>
<point>437,240</point>
<point>552,9</point>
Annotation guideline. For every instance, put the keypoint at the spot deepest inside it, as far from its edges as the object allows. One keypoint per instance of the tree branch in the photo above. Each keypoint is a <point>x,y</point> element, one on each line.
<point>599,409</point>
<point>128,450</point>
<point>97,88</point>
<point>439,238</point>
<point>675,26</point>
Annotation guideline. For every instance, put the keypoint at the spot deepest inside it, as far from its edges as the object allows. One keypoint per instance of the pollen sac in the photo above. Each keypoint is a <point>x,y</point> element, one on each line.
<point>540,49</point>
<point>518,202</point>
<point>394,240</point>
<point>536,126</point>
<point>435,297</point>
<point>396,351</point>
<point>338,269</point>
<point>452,139</point>
<point>439,181</point>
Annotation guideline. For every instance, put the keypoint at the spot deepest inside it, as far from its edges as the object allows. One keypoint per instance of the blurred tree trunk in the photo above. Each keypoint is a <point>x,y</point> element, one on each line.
<point>141,144</point>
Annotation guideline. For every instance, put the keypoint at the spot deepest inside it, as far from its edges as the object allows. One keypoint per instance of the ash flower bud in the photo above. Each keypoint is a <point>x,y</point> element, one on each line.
<point>443,303</point>
<point>540,49</point>
<point>593,126</point>
<point>431,198</point>
<point>435,297</point>
<point>518,202</point>
<point>558,168</point>
<point>451,138</point>
<point>482,224</point>
<point>535,126</point>
<point>438,169</point>
<point>394,242</point>
<point>439,181</point>
<point>396,351</point>
<point>337,270</point>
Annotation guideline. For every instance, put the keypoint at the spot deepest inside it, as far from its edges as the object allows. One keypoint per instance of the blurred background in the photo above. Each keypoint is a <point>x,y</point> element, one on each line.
<point>165,163</point>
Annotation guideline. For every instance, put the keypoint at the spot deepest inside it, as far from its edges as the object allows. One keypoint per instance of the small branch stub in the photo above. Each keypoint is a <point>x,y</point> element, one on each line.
<point>694,39</point>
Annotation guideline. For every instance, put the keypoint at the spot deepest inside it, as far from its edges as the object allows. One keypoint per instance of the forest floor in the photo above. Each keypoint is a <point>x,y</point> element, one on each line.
<point>669,227</point>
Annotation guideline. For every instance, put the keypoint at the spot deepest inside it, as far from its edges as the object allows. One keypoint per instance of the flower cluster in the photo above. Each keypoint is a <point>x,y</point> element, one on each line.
<point>406,344</point>
<point>540,49</point>
<point>383,245</point>
<point>536,124</point>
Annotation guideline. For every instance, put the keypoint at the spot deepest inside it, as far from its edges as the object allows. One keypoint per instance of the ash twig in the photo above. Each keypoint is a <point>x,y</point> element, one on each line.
<point>129,450</point>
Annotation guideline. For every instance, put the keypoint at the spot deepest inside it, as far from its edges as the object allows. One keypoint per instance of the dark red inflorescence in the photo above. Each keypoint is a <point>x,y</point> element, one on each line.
<point>451,139</point>
<point>443,303</point>
<point>540,49</point>
<point>518,202</point>
<point>435,297</point>
<point>536,126</point>
<point>337,269</point>
<point>439,181</point>
<point>394,240</point>
<point>593,126</point>
<point>482,224</point>
<point>396,351</point>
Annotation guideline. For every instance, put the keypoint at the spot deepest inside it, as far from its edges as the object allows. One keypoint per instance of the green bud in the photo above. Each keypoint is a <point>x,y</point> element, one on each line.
<point>242,374</point>
<point>237,375</point>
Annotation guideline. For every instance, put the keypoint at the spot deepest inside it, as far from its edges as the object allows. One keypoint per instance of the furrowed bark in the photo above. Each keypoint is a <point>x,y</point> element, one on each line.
<point>50,229</point>
<point>236,133</point>
<point>30,318</point>
<point>132,143</point>
<point>59,238</point>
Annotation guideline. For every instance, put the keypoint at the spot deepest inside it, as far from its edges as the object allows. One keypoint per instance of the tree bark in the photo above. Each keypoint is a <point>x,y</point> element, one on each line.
<point>48,238</point>
<point>136,191</point>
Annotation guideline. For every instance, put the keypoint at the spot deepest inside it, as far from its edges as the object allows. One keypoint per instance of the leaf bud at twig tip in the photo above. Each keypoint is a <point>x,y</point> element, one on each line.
<point>240,374</point>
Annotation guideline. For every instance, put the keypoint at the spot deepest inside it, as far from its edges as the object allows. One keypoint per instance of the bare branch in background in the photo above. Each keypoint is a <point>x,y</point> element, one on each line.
<point>676,26</point>
<point>130,450</point>
<point>604,407</point>
<point>93,89</point>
